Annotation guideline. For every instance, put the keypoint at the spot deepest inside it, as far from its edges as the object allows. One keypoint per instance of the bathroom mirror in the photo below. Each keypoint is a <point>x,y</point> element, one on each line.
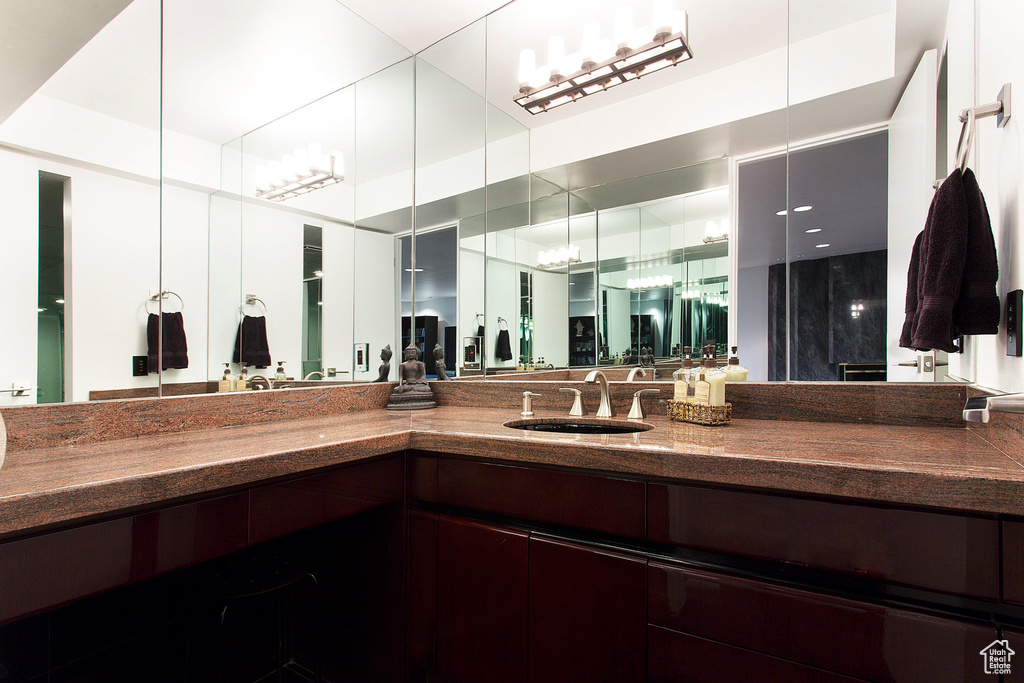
<point>728,104</point>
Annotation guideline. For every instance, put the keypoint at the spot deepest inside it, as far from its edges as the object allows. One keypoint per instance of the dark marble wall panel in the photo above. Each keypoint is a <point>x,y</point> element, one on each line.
<point>824,332</point>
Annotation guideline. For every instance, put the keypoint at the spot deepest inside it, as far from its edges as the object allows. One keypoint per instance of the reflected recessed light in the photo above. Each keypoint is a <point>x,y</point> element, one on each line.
<point>812,230</point>
<point>822,246</point>
<point>318,273</point>
<point>319,303</point>
<point>805,207</point>
<point>781,213</point>
<point>40,310</point>
<point>59,301</point>
<point>418,270</point>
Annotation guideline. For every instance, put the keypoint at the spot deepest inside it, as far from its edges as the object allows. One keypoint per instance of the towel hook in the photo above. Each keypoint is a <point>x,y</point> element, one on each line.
<point>252,300</point>
<point>1000,109</point>
<point>157,296</point>
<point>502,321</point>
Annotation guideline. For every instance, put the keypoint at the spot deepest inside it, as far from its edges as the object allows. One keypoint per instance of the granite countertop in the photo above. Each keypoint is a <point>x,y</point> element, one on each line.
<point>941,467</point>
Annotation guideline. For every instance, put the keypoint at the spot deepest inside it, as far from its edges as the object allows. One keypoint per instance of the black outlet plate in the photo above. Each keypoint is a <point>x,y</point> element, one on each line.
<point>1014,303</point>
<point>140,366</point>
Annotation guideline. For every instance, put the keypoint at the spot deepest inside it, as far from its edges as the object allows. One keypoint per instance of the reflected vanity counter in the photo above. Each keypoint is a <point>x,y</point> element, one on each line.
<point>172,483</point>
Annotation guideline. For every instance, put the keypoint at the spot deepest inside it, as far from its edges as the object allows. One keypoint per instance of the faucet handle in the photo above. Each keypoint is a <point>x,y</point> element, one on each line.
<point>528,403</point>
<point>636,411</point>
<point>577,404</point>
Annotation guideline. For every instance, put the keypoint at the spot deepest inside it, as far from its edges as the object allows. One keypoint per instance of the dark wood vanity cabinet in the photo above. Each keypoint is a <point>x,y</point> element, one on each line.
<point>587,620</point>
<point>481,602</point>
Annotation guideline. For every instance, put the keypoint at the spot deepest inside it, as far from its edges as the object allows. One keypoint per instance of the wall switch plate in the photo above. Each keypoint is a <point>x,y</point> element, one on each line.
<point>1014,304</point>
<point>140,366</point>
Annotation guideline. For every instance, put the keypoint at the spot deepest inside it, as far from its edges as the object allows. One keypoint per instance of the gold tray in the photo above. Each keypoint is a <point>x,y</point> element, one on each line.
<point>698,413</point>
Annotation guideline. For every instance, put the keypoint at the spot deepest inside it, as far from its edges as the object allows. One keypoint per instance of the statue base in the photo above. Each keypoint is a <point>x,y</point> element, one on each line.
<point>411,401</point>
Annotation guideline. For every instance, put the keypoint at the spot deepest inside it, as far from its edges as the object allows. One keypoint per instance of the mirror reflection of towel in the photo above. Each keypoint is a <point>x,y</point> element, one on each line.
<point>251,344</point>
<point>175,348</point>
<point>504,348</point>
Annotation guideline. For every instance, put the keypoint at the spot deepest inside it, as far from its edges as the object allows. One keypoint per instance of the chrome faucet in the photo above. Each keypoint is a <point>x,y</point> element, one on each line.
<point>605,408</point>
<point>634,372</point>
<point>319,375</point>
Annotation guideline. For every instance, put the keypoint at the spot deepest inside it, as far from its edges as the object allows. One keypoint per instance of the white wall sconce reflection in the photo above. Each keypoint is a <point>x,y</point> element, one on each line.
<point>557,258</point>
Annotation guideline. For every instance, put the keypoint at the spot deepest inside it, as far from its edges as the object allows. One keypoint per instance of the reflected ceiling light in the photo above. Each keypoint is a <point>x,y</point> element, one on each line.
<point>603,63</point>
<point>318,273</point>
<point>812,231</point>
<point>652,282</point>
<point>299,173</point>
<point>557,258</point>
<point>418,270</point>
<point>716,232</point>
<point>40,310</point>
<point>805,207</point>
<point>59,301</point>
<point>822,246</point>
<point>781,213</point>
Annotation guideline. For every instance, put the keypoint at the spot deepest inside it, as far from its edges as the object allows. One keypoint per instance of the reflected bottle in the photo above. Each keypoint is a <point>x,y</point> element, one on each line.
<point>683,379</point>
<point>734,372</point>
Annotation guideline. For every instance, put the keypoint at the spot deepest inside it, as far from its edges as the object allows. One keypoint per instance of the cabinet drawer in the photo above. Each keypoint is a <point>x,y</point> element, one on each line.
<point>845,636</point>
<point>674,657</point>
<point>291,506</point>
<point>587,617</point>
<point>605,504</point>
<point>1013,562</point>
<point>950,553</point>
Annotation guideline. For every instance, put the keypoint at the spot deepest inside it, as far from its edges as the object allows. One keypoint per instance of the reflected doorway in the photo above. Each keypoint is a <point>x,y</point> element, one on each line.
<point>50,355</point>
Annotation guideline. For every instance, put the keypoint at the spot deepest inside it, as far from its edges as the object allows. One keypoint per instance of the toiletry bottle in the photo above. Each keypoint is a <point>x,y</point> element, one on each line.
<point>716,381</point>
<point>734,372</point>
<point>242,383</point>
<point>280,373</point>
<point>682,378</point>
<point>227,382</point>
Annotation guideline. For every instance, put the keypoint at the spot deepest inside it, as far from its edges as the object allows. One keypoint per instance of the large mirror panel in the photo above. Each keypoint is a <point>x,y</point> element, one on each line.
<point>80,159</point>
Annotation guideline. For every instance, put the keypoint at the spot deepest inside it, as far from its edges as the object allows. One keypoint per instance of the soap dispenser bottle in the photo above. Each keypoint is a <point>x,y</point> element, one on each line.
<point>227,382</point>
<point>734,372</point>
<point>716,381</point>
<point>280,373</point>
<point>682,379</point>
<point>242,383</point>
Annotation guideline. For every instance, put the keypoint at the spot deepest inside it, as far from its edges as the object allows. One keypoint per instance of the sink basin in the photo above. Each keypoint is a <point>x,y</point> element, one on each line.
<point>577,425</point>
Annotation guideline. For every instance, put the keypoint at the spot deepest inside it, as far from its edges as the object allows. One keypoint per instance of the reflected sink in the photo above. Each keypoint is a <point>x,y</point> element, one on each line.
<point>577,425</point>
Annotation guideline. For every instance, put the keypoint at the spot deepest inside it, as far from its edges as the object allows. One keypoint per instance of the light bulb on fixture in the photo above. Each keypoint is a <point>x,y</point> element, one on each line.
<point>556,57</point>
<point>591,46</point>
<point>527,69</point>
<point>623,30</point>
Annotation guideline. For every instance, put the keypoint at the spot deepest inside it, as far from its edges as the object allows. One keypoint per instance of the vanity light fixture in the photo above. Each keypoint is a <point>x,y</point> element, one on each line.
<point>856,309</point>
<point>653,282</point>
<point>716,232</point>
<point>299,173</point>
<point>603,63</point>
<point>557,258</point>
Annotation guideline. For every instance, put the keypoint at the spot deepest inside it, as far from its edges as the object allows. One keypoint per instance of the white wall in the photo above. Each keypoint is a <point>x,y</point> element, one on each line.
<point>19,243</point>
<point>997,162</point>
<point>374,311</point>
<point>752,321</point>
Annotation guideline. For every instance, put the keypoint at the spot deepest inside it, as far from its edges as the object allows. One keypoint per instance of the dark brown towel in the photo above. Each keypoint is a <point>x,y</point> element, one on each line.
<point>175,348</point>
<point>503,350</point>
<point>977,309</point>
<point>943,252</point>
<point>907,335</point>
<point>251,344</point>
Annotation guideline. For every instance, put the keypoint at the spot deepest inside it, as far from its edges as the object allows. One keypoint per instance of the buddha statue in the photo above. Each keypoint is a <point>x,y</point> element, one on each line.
<point>413,392</point>
<point>439,365</point>
<point>385,366</point>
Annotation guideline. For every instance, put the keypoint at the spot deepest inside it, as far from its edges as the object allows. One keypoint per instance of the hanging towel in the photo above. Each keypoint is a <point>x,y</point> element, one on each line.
<point>907,335</point>
<point>175,348</point>
<point>504,348</point>
<point>251,345</point>
<point>940,274</point>
<point>977,310</point>
<point>480,331</point>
